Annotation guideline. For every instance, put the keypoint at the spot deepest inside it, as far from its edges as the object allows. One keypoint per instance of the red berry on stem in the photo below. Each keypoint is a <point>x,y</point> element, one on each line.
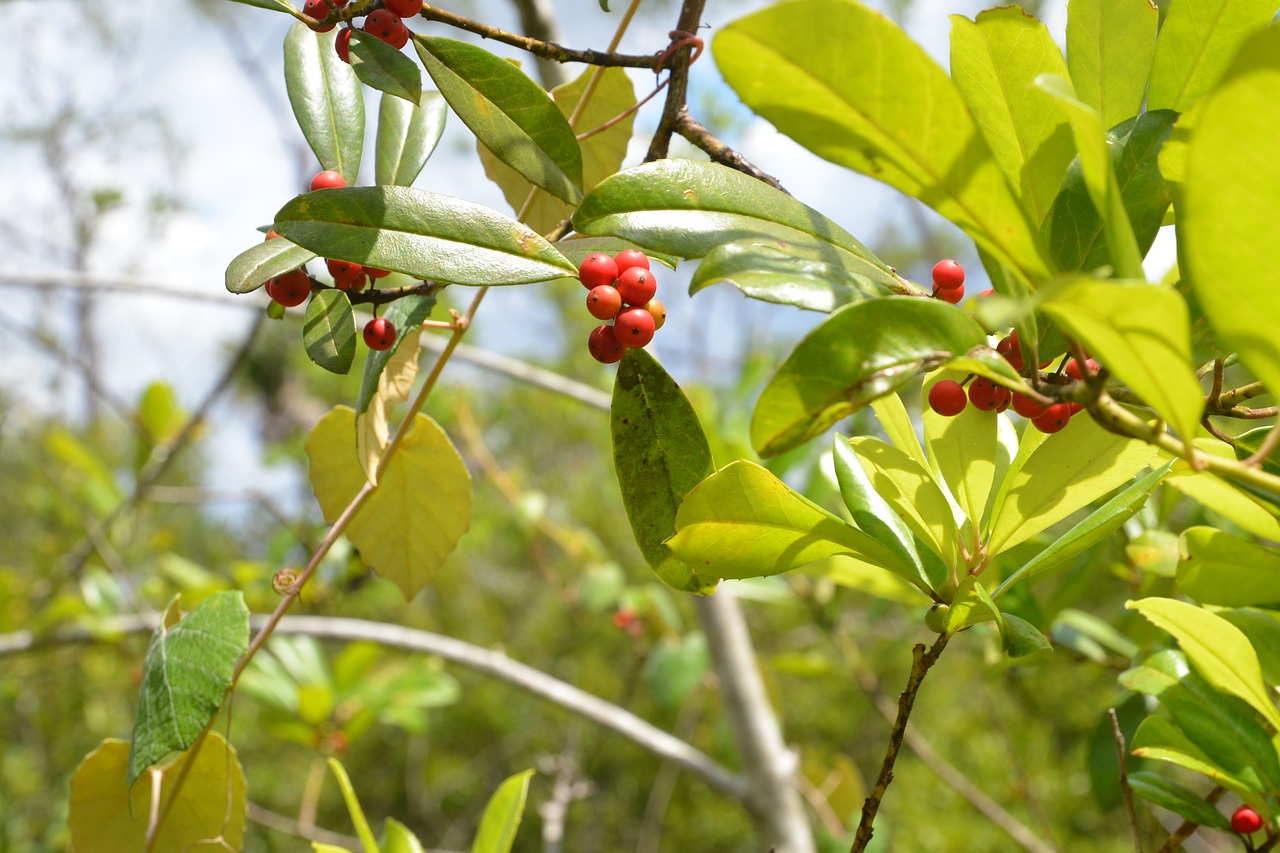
<point>318,9</point>
<point>947,398</point>
<point>985,394</point>
<point>290,289</point>
<point>604,302</point>
<point>596,269</point>
<point>1073,368</point>
<point>1246,821</point>
<point>405,8</point>
<point>628,258</point>
<point>659,312</point>
<point>374,272</point>
<point>948,275</point>
<point>952,296</point>
<point>1054,418</point>
<point>343,45</point>
<point>637,285</point>
<point>328,179</point>
<point>346,275</point>
<point>388,27</point>
<point>1009,348</point>
<point>379,333</point>
<point>634,327</point>
<point>603,345</point>
<point>1027,407</point>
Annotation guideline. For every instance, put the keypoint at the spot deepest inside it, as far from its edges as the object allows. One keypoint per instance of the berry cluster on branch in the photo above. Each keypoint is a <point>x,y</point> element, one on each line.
<point>621,288</point>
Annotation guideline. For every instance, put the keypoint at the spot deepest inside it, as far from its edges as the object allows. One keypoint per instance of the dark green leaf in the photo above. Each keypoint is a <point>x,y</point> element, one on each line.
<point>329,333</point>
<point>577,248</point>
<point>660,453</point>
<point>509,113</point>
<point>255,266</point>
<point>1222,569</point>
<point>860,352</point>
<point>407,135</point>
<point>382,67</point>
<point>327,100</point>
<point>1249,443</point>
<point>1020,638</point>
<point>421,234</point>
<point>1159,739</point>
<point>785,274</point>
<point>604,4</point>
<point>1171,795</point>
<point>186,675</point>
<point>406,315</point>
<point>1226,730</point>
<point>689,207</point>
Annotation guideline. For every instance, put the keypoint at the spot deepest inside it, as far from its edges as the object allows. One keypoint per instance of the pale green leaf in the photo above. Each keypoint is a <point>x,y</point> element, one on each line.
<point>963,450</point>
<point>1197,41</point>
<point>896,422</point>
<point>1110,45</point>
<point>363,831</point>
<point>907,486</point>
<point>502,815</point>
<point>1219,568</point>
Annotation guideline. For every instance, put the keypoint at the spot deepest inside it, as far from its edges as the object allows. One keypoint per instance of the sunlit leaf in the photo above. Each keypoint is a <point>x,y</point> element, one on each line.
<point>406,314</point>
<point>896,422</point>
<point>1255,516</point>
<point>963,450</point>
<point>396,838</point>
<point>327,100</point>
<point>785,274</point>
<point>407,135</point>
<point>1197,41</point>
<point>363,831</point>
<point>394,383</point>
<point>972,606</point>
<point>1159,739</point>
<point>577,247</point>
<point>502,815</point>
<point>329,332</point>
<point>1110,45</point>
<point>257,265</point>
<point>1219,568</point>
<point>907,486</point>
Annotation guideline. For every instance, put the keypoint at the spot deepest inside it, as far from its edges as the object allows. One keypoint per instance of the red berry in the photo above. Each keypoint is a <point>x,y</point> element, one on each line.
<point>623,618</point>
<point>379,333</point>
<point>346,275</point>
<point>659,312</point>
<point>1027,407</point>
<point>947,398</point>
<point>271,235</point>
<point>328,179</point>
<point>374,272</point>
<point>318,9</point>
<point>1054,418</point>
<point>1073,368</point>
<point>952,296</point>
<point>1075,407</point>
<point>988,292</point>
<point>1011,350</point>
<point>1246,821</point>
<point>984,394</point>
<point>629,258</point>
<point>290,289</point>
<point>604,302</point>
<point>343,45</point>
<point>948,275</point>
<point>405,8</point>
<point>634,327</point>
<point>388,27</point>
<point>596,269</point>
<point>1003,397</point>
<point>637,285</point>
<point>603,345</point>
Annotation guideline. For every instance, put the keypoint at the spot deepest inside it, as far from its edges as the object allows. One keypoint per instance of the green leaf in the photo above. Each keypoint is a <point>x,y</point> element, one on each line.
<point>1066,472</point>
<point>1159,739</point>
<point>1219,568</point>
<point>382,67</point>
<point>1075,231</point>
<point>660,453</point>
<point>1110,45</point>
<point>358,820</point>
<point>1171,795</point>
<point>407,135</point>
<point>1098,525</point>
<point>406,315</point>
<point>866,96</point>
<point>1249,443</point>
<point>785,274</point>
<point>255,266</point>
<point>1263,630</point>
<point>270,5</point>
<point>396,838</point>
<point>1142,333</point>
<point>743,522</point>
<point>1020,638</point>
<point>994,62</point>
<point>1227,229</point>
<point>863,351</point>
<point>1197,41</point>
<point>689,207</point>
<point>1226,730</point>
<point>107,817</point>
<point>972,606</point>
<point>421,234</point>
<point>327,100</point>
<point>185,676</point>
<point>576,249</point>
<point>421,507</point>
<point>1216,648</point>
<point>602,153</point>
<point>907,486</point>
<point>1258,517</point>
<point>329,332</point>
<point>502,815</point>
<point>509,113</point>
<point>675,667</point>
<point>896,422</point>
<point>963,451</point>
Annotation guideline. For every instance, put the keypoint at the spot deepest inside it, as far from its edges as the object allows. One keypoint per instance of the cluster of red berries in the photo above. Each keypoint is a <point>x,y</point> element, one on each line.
<point>294,287</point>
<point>386,23</point>
<point>622,290</point>
<point>948,281</point>
<point>1246,821</point>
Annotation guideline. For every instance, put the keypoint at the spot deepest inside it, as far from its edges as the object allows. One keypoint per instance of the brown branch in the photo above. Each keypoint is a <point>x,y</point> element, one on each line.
<point>539,48</point>
<point>921,663</point>
<point>693,131</point>
<point>1124,780</point>
<point>1228,400</point>
<point>678,90</point>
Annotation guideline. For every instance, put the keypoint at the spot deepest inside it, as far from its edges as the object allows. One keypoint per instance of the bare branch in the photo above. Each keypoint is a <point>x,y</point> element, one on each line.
<point>1124,780</point>
<point>543,49</point>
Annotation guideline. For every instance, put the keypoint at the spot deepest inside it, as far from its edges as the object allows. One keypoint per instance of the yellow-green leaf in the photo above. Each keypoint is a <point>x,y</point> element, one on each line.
<point>1197,40</point>
<point>895,420</point>
<point>908,487</point>
<point>963,450</point>
<point>1110,45</point>
<point>1218,568</point>
<point>394,384</point>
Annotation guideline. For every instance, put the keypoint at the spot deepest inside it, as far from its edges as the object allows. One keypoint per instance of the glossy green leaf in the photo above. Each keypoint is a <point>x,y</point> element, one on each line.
<point>860,352</point>
<point>1218,650</point>
<point>660,453</point>
<point>866,96</point>
<point>994,62</point>
<point>396,838</point>
<point>896,422</point>
<point>421,234</point>
<point>1066,472</point>
<point>270,5</point>
<point>904,482</point>
<point>689,207</point>
<point>358,820</point>
<point>1226,730</point>
<point>1160,740</point>
<point>1142,333</point>
<point>1110,45</point>
<point>576,249</point>
<point>380,66</point>
<point>1098,525</point>
<point>1219,568</point>
<point>1074,230</point>
<point>972,605</point>
<point>602,153</point>
<point>185,676</point>
<point>1227,229</point>
<point>744,522</point>
<point>329,332</point>
<point>1020,638</point>
<point>1197,42</point>
<point>407,136</point>
<point>255,266</point>
<point>1178,799</point>
<point>406,315</point>
<point>1249,443</point>
<point>785,274</point>
<point>963,450</point>
<point>1253,514</point>
<point>327,100</point>
<point>502,815</point>
<point>508,112</point>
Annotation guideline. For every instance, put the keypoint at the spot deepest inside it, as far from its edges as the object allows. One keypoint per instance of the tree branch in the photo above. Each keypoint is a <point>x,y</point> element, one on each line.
<point>539,48</point>
<point>693,131</point>
<point>678,88</point>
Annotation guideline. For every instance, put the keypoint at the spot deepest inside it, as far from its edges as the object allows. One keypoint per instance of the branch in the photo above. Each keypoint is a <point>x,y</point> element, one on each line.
<point>539,48</point>
<point>678,90</point>
<point>688,127</point>
<point>538,20</point>
<point>1124,780</point>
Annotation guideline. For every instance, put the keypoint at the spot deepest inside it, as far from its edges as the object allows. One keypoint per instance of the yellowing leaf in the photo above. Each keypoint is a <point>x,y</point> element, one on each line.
<point>106,817</point>
<point>394,384</point>
<point>421,507</point>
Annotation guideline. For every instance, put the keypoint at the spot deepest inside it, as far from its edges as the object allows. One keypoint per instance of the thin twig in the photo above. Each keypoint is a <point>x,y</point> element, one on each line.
<point>678,90</point>
<point>543,49</point>
<point>693,131</point>
<point>288,826</point>
<point>1124,780</point>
